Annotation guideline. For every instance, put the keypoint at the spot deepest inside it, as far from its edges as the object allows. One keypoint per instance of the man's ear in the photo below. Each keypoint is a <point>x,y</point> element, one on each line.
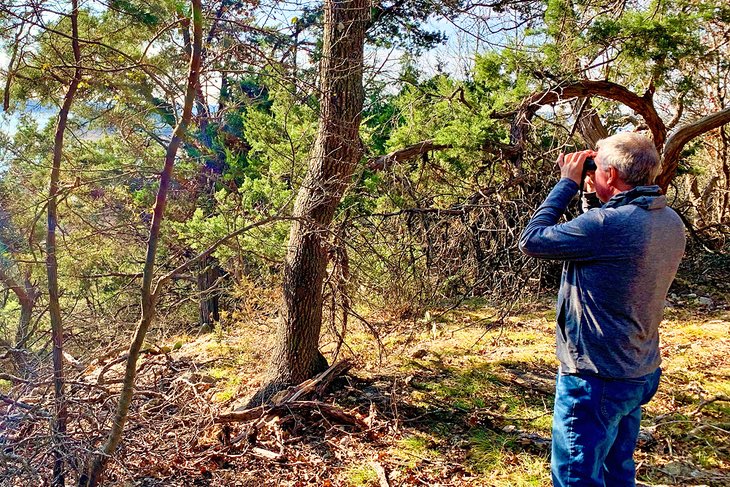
<point>613,176</point>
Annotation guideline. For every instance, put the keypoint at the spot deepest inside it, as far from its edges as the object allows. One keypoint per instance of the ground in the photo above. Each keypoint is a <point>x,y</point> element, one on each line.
<point>457,398</point>
<point>460,398</point>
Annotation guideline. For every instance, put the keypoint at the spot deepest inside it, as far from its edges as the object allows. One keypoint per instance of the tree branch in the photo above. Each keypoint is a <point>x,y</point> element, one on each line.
<point>642,105</point>
<point>384,162</point>
<point>679,138</point>
<point>20,292</point>
<point>206,253</point>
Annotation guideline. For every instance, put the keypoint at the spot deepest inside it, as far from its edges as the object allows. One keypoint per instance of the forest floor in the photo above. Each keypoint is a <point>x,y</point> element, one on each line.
<point>456,400</point>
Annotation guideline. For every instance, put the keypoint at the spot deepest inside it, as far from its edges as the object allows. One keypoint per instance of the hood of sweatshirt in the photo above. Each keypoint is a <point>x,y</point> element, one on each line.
<point>646,197</point>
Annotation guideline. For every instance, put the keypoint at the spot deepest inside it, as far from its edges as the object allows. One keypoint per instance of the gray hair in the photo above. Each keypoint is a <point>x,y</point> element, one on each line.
<point>633,155</point>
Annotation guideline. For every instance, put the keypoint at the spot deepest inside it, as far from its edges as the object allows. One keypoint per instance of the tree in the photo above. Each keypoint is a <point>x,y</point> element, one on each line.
<point>150,294</point>
<point>54,307</point>
<point>336,154</point>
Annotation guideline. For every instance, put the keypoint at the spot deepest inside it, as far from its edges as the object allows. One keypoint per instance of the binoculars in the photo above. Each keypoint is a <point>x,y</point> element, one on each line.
<point>588,165</point>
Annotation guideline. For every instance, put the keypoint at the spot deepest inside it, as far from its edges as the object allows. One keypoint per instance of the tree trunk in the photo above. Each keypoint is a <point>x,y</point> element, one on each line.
<point>23,358</point>
<point>589,124</point>
<point>149,294</point>
<point>26,295</point>
<point>334,157</point>
<point>208,305</point>
<point>725,203</point>
<point>54,308</point>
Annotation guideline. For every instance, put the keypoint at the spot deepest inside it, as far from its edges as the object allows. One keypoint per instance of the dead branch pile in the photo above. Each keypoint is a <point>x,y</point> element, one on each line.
<point>270,426</point>
<point>170,416</point>
<point>175,430</point>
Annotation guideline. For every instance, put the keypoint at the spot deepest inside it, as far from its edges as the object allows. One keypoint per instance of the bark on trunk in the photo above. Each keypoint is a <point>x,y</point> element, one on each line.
<point>208,305</point>
<point>24,360</point>
<point>54,309</point>
<point>588,123</point>
<point>725,204</point>
<point>335,155</point>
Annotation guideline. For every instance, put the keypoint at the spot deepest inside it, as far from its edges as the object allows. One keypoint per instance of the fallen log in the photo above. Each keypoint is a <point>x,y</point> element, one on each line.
<point>317,384</point>
<point>325,410</point>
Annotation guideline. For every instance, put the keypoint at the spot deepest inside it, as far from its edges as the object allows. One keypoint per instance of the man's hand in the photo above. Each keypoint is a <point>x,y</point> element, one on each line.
<point>571,165</point>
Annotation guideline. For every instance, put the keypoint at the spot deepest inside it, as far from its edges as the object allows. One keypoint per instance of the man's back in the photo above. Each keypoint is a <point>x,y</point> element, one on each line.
<point>620,262</point>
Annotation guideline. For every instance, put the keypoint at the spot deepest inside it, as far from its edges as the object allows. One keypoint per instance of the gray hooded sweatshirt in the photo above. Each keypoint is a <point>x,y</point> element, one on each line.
<point>619,262</point>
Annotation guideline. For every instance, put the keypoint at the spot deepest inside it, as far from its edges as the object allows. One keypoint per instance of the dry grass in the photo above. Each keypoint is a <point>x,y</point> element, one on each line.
<point>460,399</point>
<point>466,401</point>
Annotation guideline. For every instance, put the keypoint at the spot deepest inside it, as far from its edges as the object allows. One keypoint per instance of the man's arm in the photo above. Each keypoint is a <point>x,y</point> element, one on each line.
<point>578,239</point>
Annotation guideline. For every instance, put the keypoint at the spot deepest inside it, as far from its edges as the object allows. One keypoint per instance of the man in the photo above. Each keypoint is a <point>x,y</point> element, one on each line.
<point>619,262</point>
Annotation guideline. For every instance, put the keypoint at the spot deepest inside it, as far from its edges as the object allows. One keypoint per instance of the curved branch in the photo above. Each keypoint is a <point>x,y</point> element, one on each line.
<point>23,295</point>
<point>384,162</point>
<point>642,105</point>
<point>679,138</point>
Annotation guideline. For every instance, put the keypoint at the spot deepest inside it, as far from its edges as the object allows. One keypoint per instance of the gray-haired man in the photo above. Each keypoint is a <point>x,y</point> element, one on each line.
<point>620,260</point>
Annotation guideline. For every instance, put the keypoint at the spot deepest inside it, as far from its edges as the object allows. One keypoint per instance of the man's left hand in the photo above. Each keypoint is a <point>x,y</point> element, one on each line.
<point>571,165</point>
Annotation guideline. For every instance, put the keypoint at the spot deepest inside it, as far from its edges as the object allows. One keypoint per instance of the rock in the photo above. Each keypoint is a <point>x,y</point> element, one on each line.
<point>646,438</point>
<point>705,301</point>
<point>691,296</point>
<point>674,468</point>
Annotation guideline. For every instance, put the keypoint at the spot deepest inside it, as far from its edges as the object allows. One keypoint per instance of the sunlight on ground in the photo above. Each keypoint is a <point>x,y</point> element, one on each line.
<point>471,396</point>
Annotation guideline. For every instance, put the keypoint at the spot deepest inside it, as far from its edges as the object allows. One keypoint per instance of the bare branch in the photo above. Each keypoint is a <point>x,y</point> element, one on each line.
<point>605,89</point>
<point>384,162</point>
<point>206,253</point>
<point>679,138</point>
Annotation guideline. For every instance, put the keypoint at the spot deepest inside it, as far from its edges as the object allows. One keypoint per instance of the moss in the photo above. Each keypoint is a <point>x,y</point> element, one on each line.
<point>414,449</point>
<point>499,458</point>
<point>361,476</point>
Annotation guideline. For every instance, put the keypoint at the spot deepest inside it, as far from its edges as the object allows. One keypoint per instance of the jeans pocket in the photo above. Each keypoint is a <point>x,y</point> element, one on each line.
<point>652,385</point>
<point>620,397</point>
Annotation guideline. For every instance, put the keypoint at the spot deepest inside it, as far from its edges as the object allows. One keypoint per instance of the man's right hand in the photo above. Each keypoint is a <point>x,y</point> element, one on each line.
<point>571,164</point>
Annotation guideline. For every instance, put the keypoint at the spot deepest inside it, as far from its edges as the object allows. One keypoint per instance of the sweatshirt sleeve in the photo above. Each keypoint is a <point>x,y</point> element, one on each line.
<point>578,239</point>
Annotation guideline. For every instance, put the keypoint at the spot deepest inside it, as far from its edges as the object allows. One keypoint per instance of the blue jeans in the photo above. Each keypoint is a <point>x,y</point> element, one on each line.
<point>595,428</point>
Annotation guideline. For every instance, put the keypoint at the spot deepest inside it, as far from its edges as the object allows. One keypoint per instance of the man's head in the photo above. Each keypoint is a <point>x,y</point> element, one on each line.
<point>624,161</point>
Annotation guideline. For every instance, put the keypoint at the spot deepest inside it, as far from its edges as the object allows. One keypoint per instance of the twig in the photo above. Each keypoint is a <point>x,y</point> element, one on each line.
<point>22,405</point>
<point>380,471</point>
<point>13,378</point>
<point>705,402</point>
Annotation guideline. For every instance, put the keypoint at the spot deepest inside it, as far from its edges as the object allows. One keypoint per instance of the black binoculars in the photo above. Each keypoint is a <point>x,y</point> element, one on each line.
<point>588,165</point>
